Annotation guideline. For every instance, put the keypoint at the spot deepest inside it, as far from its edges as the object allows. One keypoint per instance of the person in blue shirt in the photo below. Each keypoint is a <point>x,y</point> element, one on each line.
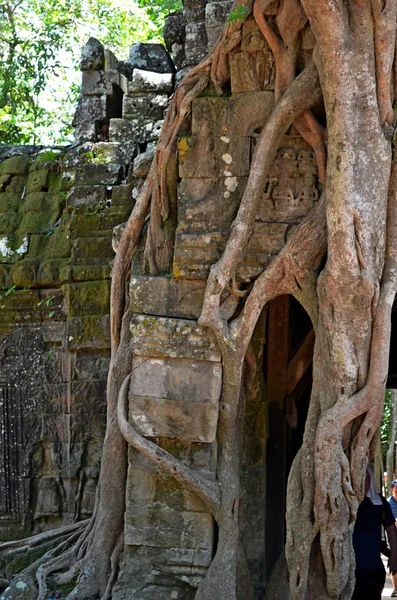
<point>373,513</point>
<point>393,505</point>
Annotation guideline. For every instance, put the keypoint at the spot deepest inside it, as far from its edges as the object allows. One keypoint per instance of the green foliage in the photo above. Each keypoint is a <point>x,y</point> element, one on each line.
<point>385,426</point>
<point>240,13</point>
<point>40,45</point>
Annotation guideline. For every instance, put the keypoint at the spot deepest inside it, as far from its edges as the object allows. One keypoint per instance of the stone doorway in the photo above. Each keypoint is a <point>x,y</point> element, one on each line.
<point>288,373</point>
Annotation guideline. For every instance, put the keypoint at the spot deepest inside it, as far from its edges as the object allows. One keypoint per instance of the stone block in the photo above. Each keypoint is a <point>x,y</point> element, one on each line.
<point>165,528</point>
<point>49,271</point>
<point>142,163</point>
<point>16,165</point>
<point>24,273</point>
<point>217,12</point>
<point>202,156</point>
<point>195,14</point>
<point>86,198</point>
<point>9,222</point>
<point>174,30</point>
<point>9,202</point>
<point>173,338</point>
<point>88,332</point>
<point>149,107</point>
<point>196,43</point>
<point>208,205</point>
<point>122,194</point>
<point>88,396</point>
<point>92,174</point>
<point>38,222</point>
<point>150,57</point>
<point>251,71</point>
<point>90,109</point>
<point>40,202</point>
<point>91,298</point>
<point>198,456</point>
<point>86,367</point>
<point>92,56</point>
<point>149,81</point>
<point>87,426</point>
<point>167,297</point>
<point>152,487</point>
<point>121,130</point>
<point>175,379</point>
<point>238,116</point>
<point>89,272</point>
<point>37,181</point>
<point>119,153</point>
<point>161,573</point>
<point>175,399</point>
<point>195,253</point>
<point>92,250</point>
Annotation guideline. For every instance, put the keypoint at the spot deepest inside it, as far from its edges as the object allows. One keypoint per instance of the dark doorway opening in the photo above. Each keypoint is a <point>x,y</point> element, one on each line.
<point>288,373</point>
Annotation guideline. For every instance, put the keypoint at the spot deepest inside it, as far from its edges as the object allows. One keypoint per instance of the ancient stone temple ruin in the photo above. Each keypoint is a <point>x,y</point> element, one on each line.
<point>59,210</point>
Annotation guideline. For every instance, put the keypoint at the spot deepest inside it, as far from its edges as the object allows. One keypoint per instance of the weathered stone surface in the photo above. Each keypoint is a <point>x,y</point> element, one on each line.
<point>238,116</point>
<point>121,130</point>
<point>175,399</point>
<point>92,250</point>
<point>143,162</point>
<point>196,42</point>
<point>86,197</point>
<point>292,186</point>
<point>150,57</point>
<point>92,56</point>
<point>91,298</point>
<point>216,13</point>
<point>88,332</point>
<point>162,573</point>
<point>120,153</point>
<point>149,107</point>
<point>251,71</point>
<point>167,297</point>
<point>86,367</point>
<point>89,110</point>
<point>208,205</point>
<point>202,157</point>
<point>166,528</point>
<point>92,174</point>
<point>152,487</point>
<point>147,81</point>
<point>15,165</point>
<point>166,337</point>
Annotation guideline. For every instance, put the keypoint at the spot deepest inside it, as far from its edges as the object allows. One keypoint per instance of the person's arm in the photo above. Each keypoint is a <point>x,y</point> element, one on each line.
<point>391,532</point>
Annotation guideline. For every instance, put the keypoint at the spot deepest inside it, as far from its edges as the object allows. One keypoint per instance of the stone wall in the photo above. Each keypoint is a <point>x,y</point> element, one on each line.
<point>58,214</point>
<point>58,210</point>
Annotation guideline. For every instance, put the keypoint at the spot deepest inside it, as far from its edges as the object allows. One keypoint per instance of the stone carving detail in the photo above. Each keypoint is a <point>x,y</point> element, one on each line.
<point>27,382</point>
<point>292,185</point>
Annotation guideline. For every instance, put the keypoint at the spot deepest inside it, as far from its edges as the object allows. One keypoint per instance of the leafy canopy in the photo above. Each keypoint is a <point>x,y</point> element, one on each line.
<point>40,45</point>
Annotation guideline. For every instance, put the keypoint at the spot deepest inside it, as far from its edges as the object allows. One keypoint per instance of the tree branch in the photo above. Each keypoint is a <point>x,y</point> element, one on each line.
<point>206,490</point>
<point>385,42</point>
<point>303,93</point>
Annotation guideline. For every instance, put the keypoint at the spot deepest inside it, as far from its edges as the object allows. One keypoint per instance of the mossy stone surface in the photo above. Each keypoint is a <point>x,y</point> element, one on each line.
<point>38,222</point>
<point>92,250</point>
<point>24,273</point>
<point>9,202</point>
<point>88,298</point>
<point>9,222</point>
<point>16,165</point>
<point>88,332</point>
<point>37,180</point>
